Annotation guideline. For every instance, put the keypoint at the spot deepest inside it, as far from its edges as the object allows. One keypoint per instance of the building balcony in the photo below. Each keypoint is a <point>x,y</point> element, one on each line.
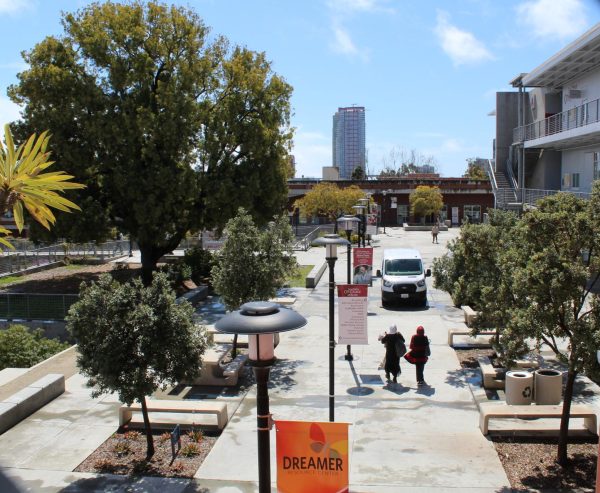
<point>576,127</point>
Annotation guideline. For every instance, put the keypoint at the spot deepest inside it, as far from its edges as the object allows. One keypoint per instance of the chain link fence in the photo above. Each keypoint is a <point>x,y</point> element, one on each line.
<point>30,306</point>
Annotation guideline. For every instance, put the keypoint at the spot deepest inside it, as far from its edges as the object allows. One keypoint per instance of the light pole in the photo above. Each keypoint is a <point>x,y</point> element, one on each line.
<point>360,211</point>
<point>260,320</point>
<point>367,203</point>
<point>383,209</point>
<point>347,223</point>
<point>331,242</point>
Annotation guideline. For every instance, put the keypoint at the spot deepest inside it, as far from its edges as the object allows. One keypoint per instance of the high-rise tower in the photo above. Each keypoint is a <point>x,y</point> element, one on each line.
<point>349,140</point>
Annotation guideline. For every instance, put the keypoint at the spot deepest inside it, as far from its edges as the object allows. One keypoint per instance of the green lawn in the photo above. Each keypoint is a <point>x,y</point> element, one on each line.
<point>11,280</point>
<point>299,280</point>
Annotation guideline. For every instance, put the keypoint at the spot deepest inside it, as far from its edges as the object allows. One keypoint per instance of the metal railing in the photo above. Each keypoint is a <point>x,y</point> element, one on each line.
<point>304,243</point>
<point>532,195</point>
<point>576,117</point>
<point>31,306</point>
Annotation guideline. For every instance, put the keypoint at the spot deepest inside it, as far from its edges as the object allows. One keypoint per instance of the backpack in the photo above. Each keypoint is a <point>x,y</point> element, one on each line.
<point>400,347</point>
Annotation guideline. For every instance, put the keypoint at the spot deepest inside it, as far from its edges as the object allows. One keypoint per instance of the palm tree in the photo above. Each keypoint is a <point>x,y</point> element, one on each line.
<point>23,182</point>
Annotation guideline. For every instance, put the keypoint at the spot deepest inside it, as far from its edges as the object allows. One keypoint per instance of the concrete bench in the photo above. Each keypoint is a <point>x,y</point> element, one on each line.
<point>219,409</point>
<point>22,404</point>
<point>470,315</point>
<point>314,276</point>
<point>496,411</point>
<point>215,371</point>
<point>466,332</point>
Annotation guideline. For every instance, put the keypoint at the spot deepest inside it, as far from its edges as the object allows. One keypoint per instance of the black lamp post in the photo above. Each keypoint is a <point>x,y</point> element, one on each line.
<point>347,223</point>
<point>367,203</point>
<point>383,209</point>
<point>360,211</point>
<point>331,242</point>
<point>260,320</point>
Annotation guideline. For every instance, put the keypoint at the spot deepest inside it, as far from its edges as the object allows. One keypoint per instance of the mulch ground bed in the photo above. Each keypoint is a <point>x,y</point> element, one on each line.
<point>125,453</point>
<point>67,279</point>
<point>530,463</point>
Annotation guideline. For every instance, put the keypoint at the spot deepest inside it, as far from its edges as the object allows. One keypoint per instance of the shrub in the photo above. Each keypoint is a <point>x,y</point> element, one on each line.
<point>190,450</point>
<point>195,435</point>
<point>199,261</point>
<point>22,348</point>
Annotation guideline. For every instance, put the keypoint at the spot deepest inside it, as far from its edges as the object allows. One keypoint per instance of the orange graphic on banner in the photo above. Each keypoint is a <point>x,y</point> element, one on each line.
<point>312,457</point>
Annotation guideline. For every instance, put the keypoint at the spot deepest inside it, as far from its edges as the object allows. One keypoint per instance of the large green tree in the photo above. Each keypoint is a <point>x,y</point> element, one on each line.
<point>329,200</point>
<point>169,129</point>
<point>133,340</point>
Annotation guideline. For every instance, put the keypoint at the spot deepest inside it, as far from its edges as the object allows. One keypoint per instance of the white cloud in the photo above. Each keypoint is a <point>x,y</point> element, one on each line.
<point>14,6</point>
<point>9,111</point>
<point>312,151</point>
<point>348,6</point>
<point>342,43</point>
<point>461,46</point>
<point>551,18</point>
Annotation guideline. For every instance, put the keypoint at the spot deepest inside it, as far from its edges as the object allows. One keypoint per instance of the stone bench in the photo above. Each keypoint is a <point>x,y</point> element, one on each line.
<point>466,332</point>
<point>470,315</point>
<point>498,411</point>
<point>314,276</point>
<point>215,372</point>
<point>22,404</point>
<point>219,409</point>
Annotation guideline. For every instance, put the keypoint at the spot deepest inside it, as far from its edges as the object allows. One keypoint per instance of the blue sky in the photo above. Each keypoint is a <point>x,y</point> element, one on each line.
<point>426,70</point>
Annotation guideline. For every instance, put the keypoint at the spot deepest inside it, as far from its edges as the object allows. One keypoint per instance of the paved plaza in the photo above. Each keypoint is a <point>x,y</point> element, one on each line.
<point>403,438</point>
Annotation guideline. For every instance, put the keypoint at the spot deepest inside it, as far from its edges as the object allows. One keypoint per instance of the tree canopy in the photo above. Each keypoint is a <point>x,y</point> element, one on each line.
<point>133,340</point>
<point>475,170</point>
<point>426,201</point>
<point>169,129</point>
<point>329,200</point>
<point>532,279</point>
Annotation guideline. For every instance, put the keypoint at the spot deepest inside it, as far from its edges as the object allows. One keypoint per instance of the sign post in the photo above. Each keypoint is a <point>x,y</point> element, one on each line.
<point>175,439</point>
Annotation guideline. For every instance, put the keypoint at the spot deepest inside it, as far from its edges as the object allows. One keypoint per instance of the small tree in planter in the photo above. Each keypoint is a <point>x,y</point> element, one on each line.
<point>426,201</point>
<point>548,269</point>
<point>134,340</point>
<point>253,263</point>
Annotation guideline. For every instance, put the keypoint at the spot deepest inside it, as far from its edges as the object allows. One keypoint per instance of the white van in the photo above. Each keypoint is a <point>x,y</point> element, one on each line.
<point>403,276</point>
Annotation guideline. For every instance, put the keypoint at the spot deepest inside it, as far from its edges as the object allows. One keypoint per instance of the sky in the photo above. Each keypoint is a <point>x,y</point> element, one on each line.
<point>425,70</point>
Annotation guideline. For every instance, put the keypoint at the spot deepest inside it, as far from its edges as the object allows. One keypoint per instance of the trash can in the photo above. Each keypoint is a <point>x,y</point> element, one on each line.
<point>548,386</point>
<point>518,387</point>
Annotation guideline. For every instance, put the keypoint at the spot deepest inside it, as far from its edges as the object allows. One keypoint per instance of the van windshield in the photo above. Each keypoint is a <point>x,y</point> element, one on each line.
<point>403,267</point>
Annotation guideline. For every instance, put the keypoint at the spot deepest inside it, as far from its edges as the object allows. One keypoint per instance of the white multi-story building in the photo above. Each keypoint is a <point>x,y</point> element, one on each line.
<point>548,133</point>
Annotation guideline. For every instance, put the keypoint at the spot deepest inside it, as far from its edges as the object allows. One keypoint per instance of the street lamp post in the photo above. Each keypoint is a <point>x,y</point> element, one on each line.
<point>260,320</point>
<point>347,223</point>
<point>331,242</point>
<point>360,211</point>
<point>383,210</point>
<point>367,203</point>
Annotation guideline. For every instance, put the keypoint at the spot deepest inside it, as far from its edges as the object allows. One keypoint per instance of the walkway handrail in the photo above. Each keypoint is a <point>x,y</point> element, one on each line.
<point>579,116</point>
<point>305,243</point>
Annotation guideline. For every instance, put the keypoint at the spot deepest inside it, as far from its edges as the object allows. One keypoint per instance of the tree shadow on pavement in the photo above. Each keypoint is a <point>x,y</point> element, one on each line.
<point>462,378</point>
<point>283,373</point>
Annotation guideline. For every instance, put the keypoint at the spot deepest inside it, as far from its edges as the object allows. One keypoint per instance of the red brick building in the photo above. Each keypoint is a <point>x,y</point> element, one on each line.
<point>463,197</point>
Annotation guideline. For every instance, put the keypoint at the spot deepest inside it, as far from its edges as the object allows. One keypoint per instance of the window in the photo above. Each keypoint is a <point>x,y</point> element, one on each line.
<point>444,213</point>
<point>575,180</point>
<point>472,213</point>
<point>596,160</point>
<point>566,180</point>
<point>402,211</point>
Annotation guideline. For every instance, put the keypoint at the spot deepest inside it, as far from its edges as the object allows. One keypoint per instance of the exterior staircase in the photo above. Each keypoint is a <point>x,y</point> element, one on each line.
<point>506,197</point>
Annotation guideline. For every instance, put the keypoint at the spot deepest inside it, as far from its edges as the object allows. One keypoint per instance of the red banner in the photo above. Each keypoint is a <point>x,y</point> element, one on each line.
<point>363,265</point>
<point>312,456</point>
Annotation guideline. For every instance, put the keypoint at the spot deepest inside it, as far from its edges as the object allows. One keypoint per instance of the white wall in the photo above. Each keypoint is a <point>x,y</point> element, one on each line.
<point>579,161</point>
<point>589,85</point>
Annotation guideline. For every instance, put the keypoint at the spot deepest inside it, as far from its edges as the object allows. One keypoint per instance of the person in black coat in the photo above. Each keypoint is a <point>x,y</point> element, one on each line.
<point>394,345</point>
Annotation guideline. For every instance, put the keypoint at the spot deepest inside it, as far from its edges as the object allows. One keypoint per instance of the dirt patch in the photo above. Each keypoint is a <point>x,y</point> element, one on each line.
<point>67,279</point>
<point>125,453</point>
<point>530,463</point>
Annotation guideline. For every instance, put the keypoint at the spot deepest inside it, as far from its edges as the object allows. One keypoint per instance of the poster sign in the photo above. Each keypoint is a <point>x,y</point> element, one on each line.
<point>394,203</point>
<point>372,224</point>
<point>312,456</point>
<point>352,306</point>
<point>363,265</point>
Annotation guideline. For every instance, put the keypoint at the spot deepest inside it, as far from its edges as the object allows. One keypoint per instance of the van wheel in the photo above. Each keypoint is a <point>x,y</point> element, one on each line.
<point>424,303</point>
<point>384,304</point>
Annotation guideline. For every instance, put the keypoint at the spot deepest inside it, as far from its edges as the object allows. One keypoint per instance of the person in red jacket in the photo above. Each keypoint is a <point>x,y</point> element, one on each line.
<point>419,353</point>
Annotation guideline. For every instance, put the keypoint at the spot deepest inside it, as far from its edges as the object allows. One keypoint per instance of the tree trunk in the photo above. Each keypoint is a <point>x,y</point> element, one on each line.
<point>234,346</point>
<point>149,437</point>
<point>563,436</point>
<point>151,252</point>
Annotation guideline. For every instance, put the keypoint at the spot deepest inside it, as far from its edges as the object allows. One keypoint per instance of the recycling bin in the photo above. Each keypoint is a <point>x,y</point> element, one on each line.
<point>518,387</point>
<point>548,386</point>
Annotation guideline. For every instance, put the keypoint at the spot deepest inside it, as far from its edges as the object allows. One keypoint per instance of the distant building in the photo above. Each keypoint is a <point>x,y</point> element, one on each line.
<point>348,140</point>
<point>331,173</point>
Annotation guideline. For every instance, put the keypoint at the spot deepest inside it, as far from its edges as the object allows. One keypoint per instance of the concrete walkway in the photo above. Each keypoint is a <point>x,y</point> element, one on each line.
<point>402,438</point>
